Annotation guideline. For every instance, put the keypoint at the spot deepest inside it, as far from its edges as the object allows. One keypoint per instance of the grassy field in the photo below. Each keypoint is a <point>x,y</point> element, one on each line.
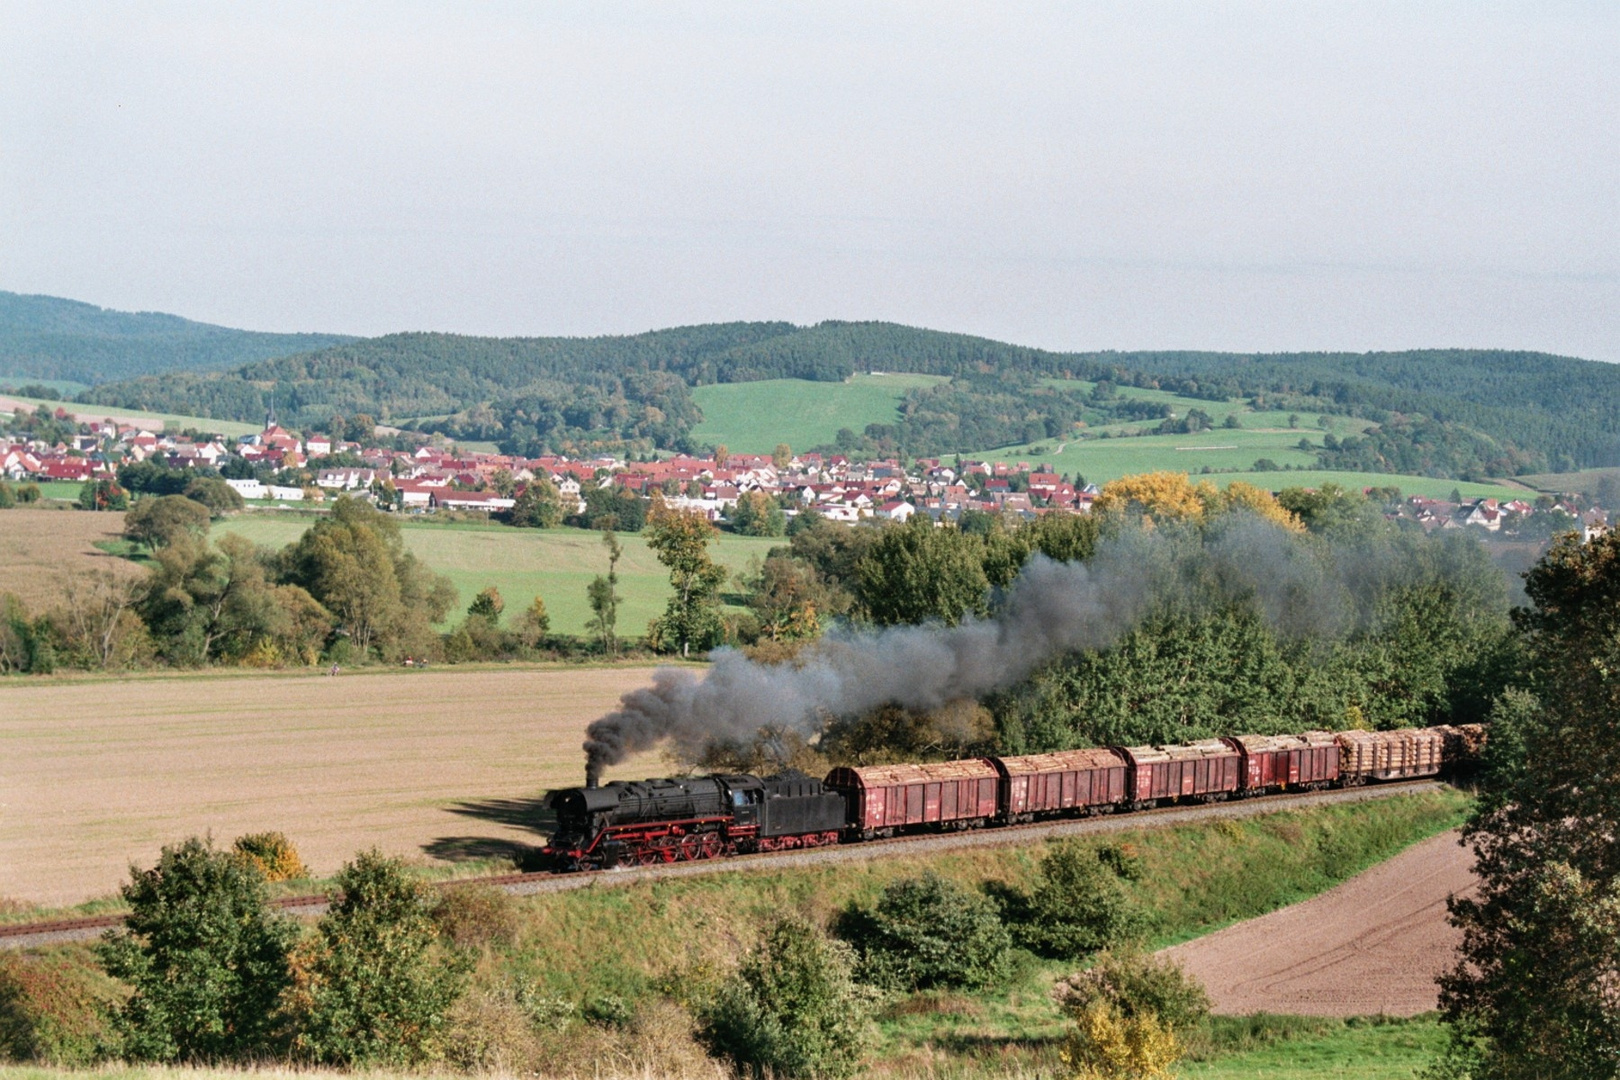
<point>443,764</point>
<point>158,420</point>
<point>556,564</point>
<point>65,490</point>
<point>1101,460</point>
<point>1303,423</point>
<point>65,387</point>
<point>753,417</point>
<point>1585,481</point>
<point>1330,1050</point>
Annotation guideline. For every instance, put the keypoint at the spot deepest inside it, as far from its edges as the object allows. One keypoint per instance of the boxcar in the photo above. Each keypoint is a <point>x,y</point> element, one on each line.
<point>1065,781</point>
<point>1207,769</point>
<point>1270,762</point>
<point>883,799</point>
<point>1390,755</point>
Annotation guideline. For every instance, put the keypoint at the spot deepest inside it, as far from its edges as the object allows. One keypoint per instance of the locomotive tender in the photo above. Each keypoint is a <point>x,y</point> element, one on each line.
<point>656,821</point>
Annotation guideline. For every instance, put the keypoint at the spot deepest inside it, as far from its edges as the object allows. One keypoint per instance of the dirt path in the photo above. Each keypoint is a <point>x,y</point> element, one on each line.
<point>442,764</point>
<point>1372,945</point>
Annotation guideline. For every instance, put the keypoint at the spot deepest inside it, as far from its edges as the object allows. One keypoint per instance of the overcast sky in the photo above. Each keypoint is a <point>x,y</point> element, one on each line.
<point>1289,175</point>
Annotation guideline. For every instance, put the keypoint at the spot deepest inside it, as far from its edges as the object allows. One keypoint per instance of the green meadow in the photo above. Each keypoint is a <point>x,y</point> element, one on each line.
<point>1101,460</point>
<point>753,417</point>
<point>1585,481</point>
<point>555,564</point>
<point>229,428</point>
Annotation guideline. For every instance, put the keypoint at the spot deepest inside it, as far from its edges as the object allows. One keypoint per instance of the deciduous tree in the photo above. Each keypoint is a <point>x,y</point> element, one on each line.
<point>928,932</point>
<point>793,1007</point>
<point>159,522</point>
<point>917,573</point>
<point>1534,994</point>
<point>354,562</point>
<point>680,539</point>
<point>603,596</point>
<point>205,956</point>
<point>539,506</point>
<point>375,987</point>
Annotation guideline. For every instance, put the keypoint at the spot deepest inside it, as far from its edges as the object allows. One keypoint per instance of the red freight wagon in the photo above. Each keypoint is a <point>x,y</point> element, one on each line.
<point>1207,768</point>
<point>1280,761</point>
<point>1068,780</point>
<point>1389,755</point>
<point>888,797</point>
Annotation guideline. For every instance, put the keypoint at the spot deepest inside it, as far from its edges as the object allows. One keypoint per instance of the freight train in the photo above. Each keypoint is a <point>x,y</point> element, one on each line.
<point>651,822</point>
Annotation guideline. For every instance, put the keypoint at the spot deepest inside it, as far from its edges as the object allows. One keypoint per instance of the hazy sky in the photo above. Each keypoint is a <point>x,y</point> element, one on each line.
<point>1289,175</point>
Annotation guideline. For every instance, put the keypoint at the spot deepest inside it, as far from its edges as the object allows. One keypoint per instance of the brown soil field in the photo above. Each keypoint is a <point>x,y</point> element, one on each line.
<point>440,765</point>
<point>1370,946</point>
<point>37,547</point>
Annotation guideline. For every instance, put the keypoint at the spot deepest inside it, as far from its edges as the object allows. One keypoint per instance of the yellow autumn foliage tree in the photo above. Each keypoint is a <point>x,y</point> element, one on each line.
<point>1261,503</point>
<point>1171,496</point>
<point>1162,496</point>
<point>1108,1045</point>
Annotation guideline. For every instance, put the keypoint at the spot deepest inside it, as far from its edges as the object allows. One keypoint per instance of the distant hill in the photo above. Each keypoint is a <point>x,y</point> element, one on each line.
<point>1466,414</point>
<point>48,338</point>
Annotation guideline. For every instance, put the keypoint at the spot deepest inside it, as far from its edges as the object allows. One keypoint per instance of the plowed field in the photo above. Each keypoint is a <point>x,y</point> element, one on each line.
<point>38,547</point>
<point>439,764</point>
<point>1370,946</point>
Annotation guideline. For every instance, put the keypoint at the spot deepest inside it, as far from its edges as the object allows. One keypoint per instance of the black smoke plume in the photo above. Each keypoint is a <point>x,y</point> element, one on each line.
<point>1299,584</point>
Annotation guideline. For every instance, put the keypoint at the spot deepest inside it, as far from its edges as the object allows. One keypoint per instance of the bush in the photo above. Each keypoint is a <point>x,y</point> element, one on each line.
<point>53,1009</point>
<point>793,1007</point>
<point>472,916</point>
<point>1139,985</point>
<point>375,988</point>
<point>272,854</point>
<point>928,932</point>
<point>1079,905</point>
<point>1107,1045</point>
<point>1130,1014</point>
<point>206,957</point>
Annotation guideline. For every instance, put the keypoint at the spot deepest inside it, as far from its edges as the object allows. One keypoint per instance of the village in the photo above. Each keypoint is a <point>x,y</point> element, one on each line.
<point>279,468</point>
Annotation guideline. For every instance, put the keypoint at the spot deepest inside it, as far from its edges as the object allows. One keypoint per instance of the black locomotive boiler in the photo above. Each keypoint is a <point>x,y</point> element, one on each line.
<point>648,822</point>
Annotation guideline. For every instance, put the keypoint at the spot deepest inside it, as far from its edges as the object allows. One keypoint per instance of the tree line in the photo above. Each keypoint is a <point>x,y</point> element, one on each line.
<point>1451,413</point>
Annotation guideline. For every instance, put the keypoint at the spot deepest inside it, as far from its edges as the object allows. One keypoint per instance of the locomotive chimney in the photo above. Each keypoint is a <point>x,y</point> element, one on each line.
<point>590,779</point>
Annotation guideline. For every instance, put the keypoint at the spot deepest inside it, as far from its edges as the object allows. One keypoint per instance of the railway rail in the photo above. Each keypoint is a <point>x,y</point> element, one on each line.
<point>57,931</point>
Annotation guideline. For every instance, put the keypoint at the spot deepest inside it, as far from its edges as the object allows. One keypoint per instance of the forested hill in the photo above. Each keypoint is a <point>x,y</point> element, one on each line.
<point>402,376</point>
<point>1456,413</point>
<point>45,337</point>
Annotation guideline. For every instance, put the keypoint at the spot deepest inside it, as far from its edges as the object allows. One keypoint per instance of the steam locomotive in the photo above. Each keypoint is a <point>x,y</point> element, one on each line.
<point>656,821</point>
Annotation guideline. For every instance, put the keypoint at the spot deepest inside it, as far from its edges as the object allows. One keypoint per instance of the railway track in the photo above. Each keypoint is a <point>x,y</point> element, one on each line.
<point>56,931</point>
